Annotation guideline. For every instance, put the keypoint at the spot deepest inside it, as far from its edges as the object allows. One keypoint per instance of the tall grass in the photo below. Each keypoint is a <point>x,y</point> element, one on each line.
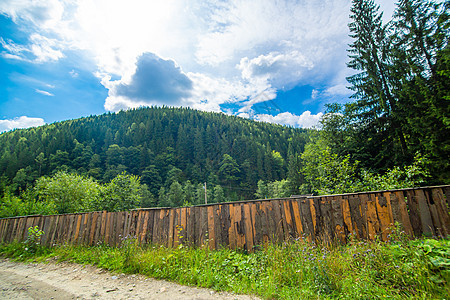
<point>298,269</point>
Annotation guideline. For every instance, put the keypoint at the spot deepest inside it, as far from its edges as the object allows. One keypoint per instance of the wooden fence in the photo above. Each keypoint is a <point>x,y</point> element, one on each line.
<point>421,211</point>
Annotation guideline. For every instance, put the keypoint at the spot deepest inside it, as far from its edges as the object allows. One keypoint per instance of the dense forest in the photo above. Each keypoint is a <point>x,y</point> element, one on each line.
<point>393,134</point>
<point>171,150</point>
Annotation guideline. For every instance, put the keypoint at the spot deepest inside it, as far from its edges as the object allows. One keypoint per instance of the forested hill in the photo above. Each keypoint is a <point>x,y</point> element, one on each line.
<point>160,144</point>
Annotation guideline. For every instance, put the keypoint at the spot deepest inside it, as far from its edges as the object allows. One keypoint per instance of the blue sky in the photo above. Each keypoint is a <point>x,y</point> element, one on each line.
<point>274,61</point>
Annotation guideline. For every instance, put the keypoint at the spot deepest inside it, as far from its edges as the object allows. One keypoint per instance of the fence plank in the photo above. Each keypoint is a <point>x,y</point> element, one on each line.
<point>297,217</point>
<point>248,232</point>
<point>336,211</point>
<point>190,224</point>
<point>442,210</point>
<point>327,219</point>
<point>211,227</point>
<point>384,215</point>
<point>217,227</point>
<point>425,214</point>
<point>308,225</point>
<point>373,224</point>
<point>405,221</point>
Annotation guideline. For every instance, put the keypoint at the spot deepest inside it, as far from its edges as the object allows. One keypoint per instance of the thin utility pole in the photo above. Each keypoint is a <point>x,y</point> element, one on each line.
<point>206,197</point>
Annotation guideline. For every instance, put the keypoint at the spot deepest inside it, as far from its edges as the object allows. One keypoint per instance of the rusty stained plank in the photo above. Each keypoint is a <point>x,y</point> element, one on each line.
<point>248,226</point>
<point>93,228</point>
<point>313,209</point>
<point>384,215</point>
<point>373,223</point>
<point>284,224</point>
<point>296,212</point>
<point>290,230</point>
<point>144,229</point>
<point>79,219</point>
<point>307,220</point>
<point>403,211</point>
<point>442,210</point>
<point>395,206</point>
<point>346,214</point>
<point>336,211</point>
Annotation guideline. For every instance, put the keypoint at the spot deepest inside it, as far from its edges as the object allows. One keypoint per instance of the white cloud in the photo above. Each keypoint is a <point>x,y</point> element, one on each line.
<point>305,120</point>
<point>155,82</point>
<point>43,13</point>
<point>21,122</point>
<point>45,93</point>
<point>280,69</point>
<point>40,50</point>
<point>231,51</point>
<point>74,74</point>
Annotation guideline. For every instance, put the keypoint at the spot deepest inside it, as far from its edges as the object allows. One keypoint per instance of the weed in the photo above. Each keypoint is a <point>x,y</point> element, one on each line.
<point>33,241</point>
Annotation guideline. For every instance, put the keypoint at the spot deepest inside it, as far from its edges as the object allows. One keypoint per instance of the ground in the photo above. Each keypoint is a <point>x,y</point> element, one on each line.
<point>71,281</point>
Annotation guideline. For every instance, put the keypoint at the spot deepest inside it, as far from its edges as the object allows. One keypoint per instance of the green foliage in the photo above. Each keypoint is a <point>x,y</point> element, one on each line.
<point>124,192</point>
<point>68,192</point>
<point>27,204</point>
<point>274,189</point>
<point>326,172</point>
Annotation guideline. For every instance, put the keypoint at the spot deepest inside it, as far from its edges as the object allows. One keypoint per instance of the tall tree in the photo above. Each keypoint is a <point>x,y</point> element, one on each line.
<point>376,108</point>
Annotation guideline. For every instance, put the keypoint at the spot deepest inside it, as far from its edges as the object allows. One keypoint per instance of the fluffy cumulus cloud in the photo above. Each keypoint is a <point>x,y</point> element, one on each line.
<point>305,120</point>
<point>20,122</point>
<point>155,82</point>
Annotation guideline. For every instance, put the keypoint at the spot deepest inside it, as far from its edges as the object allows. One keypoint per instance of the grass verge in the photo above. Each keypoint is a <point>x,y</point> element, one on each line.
<point>397,269</point>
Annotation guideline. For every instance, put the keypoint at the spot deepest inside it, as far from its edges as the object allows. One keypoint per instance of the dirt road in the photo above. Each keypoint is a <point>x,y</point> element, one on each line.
<point>72,281</point>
